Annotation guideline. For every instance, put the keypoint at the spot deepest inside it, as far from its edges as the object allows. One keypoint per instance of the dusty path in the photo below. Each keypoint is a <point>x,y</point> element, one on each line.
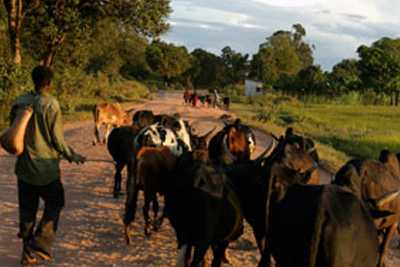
<point>90,232</point>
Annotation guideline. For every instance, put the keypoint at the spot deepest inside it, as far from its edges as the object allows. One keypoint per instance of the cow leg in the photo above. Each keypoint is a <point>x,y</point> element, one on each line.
<point>96,134</point>
<point>131,202</point>
<point>183,257</point>
<point>198,257</point>
<point>107,133</point>
<point>219,254</point>
<point>387,236</point>
<point>146,207</point>
<point>119,166</point>
<point>156,208</point>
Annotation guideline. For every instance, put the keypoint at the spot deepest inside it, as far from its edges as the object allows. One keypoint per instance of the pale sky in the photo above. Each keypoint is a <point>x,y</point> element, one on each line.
<point>336,27</point>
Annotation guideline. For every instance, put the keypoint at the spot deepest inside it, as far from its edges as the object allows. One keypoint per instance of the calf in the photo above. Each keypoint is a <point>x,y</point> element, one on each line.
<point>108,115</point>
<point>152,167</point>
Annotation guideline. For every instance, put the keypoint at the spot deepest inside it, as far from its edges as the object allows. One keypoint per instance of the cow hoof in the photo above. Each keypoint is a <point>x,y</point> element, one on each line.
<point>157,224</point>
<point>147,232</point>
<point>226,259</point>
<point>127,236</point>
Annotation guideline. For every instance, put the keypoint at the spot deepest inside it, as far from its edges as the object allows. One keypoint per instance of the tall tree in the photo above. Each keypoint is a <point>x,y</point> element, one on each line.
<point>282,56</point>
<point>311,80</point>
<point>167,60</point>
<point>236,66</point>
<point>206,69</point>
<point>380,66</point>
<point>17,10</point>
<point>345,76</point>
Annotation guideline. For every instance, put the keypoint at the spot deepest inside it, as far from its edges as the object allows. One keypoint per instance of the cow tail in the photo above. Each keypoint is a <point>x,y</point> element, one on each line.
<point>316,238</point>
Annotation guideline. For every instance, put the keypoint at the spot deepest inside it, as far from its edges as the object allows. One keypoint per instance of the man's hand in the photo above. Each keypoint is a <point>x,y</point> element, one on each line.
<point>78,159</point>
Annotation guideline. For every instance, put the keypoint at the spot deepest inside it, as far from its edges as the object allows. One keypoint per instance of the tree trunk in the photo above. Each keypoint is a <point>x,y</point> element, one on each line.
<point>392,99</point>
<point>14,10</point>
<point>51,51</point>
<point>397,98</point>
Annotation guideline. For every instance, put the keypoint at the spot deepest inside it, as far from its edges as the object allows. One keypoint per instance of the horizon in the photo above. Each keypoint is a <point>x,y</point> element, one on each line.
<point>336,29</point>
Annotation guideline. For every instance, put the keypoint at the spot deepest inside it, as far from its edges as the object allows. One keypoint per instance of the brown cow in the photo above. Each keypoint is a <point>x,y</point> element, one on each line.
<point>108,115</point>
<point>373,182</point>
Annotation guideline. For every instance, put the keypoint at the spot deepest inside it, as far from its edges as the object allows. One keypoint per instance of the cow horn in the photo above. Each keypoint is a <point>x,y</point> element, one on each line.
<point>274,137</point>
<point>208,133</point>
<point>387,198</point>
<point>267,151</point>
<point>130,110</point>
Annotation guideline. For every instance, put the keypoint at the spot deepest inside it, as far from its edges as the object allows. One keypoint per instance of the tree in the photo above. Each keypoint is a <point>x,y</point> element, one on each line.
<point>282,56</point>
<point>50,22</point>
<point>379,67</point>
<point>167,60</point>
<point>206,69</point>
<point>17,10</point>
<point>345,76</point>
<point>311,80</point>
<point>236,66</point>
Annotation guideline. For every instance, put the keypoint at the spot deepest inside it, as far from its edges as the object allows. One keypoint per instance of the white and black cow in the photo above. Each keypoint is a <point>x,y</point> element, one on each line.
<point>176,138</point>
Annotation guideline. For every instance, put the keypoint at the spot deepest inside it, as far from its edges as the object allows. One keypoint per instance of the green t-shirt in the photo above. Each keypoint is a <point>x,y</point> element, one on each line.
<point>39,164</point>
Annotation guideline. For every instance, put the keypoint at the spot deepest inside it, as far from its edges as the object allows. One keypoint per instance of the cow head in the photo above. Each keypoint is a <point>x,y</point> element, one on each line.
<point>288,164</point>
<point>306,144</point>
<point>239,140</point>
<point>177,125</point>
<point>157,135</point>
<point>199,141</point>
<point>390,160</point>
<point>143,118</point>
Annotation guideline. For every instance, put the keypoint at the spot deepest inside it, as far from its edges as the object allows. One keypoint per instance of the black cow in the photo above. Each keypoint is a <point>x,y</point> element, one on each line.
<point>302,225</point>
<point>143,118</point>
<point>375,183</point>
<point>203,209</point>
<point>121,147</point>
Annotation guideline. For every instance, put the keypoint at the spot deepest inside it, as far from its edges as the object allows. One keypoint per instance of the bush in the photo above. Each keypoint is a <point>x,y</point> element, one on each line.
<point>14,81</point>
<point>130,90</point>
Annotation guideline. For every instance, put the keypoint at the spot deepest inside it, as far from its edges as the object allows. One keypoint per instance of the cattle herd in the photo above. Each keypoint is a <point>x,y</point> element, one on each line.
<point>211,188</point>
<point>195,99</point>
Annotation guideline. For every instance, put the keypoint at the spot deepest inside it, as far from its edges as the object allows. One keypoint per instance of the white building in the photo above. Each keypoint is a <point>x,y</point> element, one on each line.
<point>253,88</point>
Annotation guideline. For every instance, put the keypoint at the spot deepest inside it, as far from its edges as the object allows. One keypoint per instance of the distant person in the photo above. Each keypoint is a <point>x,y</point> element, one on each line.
<point>38,168</point>
<point>195,99</point>
<point>208,100</point>
<point>217,99</point>
<point>186,96</point>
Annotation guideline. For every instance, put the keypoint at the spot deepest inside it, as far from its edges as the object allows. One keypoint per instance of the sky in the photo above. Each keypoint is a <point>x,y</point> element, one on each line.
<point>336,27</point>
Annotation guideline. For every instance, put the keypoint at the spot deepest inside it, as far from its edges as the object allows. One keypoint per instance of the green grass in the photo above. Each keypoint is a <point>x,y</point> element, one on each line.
<point>341,131</point>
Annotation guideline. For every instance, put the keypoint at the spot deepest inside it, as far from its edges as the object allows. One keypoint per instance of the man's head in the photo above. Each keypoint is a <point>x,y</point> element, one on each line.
<point>42,77</point>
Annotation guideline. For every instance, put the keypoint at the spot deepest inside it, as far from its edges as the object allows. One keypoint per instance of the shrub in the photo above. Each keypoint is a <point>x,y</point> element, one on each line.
<point>14,81</point>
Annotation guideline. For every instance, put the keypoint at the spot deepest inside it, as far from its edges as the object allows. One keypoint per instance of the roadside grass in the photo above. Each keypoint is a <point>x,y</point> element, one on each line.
<point>341,131</point>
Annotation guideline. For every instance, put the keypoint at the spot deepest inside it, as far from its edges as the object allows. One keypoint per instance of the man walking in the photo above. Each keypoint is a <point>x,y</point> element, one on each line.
<point>38,168</point>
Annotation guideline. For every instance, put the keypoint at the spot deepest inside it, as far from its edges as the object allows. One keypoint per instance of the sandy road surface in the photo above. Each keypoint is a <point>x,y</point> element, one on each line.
<point>90,232</point>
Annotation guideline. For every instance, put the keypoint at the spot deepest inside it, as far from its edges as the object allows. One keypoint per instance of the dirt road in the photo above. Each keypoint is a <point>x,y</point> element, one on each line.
<point>90,232</point>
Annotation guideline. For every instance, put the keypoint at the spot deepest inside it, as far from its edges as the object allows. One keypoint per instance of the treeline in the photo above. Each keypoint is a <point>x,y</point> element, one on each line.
<point>113,49</point>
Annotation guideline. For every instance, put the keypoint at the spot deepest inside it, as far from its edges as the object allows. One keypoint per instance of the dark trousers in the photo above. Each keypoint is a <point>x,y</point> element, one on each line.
<point>28,198</point>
